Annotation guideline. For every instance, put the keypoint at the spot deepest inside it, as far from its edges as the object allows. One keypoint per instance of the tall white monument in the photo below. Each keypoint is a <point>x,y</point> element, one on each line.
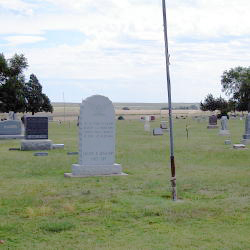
<point>96,139</point>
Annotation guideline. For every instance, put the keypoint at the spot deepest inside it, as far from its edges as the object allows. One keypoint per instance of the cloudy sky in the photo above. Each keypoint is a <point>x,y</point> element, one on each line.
<point>116,47</point>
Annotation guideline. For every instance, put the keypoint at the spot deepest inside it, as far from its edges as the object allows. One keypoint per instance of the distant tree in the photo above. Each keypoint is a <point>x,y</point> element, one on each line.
<point>211,104</point>
<point>236,84</point>
<point>36,100</point>
<point>15,94</point>
<point>12,82</point>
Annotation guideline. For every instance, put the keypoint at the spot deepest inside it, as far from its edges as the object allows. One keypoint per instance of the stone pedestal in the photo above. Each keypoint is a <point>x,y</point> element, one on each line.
<point>97,170</point>
<point>212,126</point>
<point>245,141</point>
<point>57,146</point>
<point>36,145</point>
<point>224,132</point>
<point>8,137</point>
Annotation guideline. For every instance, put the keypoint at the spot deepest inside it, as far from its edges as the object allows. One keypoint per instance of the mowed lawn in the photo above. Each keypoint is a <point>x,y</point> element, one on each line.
<point>40,209</point>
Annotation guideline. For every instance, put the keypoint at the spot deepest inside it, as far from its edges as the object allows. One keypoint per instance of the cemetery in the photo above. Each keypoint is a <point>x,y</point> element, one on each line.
<point>136,210</point>
<point>126,143</point>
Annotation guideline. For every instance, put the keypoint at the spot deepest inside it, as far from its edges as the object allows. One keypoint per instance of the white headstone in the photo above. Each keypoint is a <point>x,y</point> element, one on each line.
<point>96,139</point>
<point>164,125</point>
<point>147,126</point>
<point>224,128</point>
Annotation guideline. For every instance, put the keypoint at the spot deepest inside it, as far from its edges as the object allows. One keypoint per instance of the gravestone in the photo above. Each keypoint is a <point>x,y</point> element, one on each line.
<point>227,142</point>
<point>164,125</point>
<point>224,127</point>
<point>36,134</point>
<point>157,131</point>
<point>146,126</point>
<point>11,129</point>
<point>212,122</point>
<point>36,128</point>
<point>246,136</point>
<point>96,139</point>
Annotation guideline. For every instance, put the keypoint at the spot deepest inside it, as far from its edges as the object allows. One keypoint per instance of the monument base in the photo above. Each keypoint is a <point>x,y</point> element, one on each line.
<point>245,141</point>
<point>95,170</point>
<point>9,137</point>
<point>212,126</point>
<point>70,175</point>
<point>27,145</point>
<point>224,132</point>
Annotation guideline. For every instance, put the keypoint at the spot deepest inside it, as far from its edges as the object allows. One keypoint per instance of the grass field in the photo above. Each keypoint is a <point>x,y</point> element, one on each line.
<point>40,209</point>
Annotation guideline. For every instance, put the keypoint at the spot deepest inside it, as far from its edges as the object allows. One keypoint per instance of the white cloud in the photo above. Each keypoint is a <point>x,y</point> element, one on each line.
<point>124,42</point>
<point>17,40</point>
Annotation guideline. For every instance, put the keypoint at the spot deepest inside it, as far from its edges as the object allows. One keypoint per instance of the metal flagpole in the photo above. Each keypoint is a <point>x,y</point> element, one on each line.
<point>173,177</point>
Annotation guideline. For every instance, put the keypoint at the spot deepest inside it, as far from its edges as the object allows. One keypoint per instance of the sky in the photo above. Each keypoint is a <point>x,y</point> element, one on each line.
<point>78,48</point>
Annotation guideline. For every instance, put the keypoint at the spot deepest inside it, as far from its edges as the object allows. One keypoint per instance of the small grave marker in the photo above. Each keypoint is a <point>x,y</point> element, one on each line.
<point>41,154</point>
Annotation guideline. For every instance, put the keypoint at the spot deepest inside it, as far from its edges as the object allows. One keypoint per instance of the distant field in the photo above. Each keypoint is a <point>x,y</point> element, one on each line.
<point>135,110</point>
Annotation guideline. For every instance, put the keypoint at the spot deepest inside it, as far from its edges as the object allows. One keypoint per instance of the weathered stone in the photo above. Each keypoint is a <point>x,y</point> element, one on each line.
<point>224,127</point>
<point>41,154</point>
<point>57,146</point>
<point>164,125</point>
<point>10,127</point>
<point>146,126</point>
<point>36,145</point>
<point>157,131</point>
<point>9,137</point>
<point>96,139</point>
<point>247,128</point>
<point>72,153</point>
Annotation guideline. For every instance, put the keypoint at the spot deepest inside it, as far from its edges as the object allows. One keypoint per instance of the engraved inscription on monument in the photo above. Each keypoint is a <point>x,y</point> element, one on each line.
<point>96,139</point>
<point>36,128</point>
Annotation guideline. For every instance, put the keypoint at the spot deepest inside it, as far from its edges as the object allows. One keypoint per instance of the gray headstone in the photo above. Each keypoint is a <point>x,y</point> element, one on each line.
<point>72,153</point>
<point>164,125</point>
<point>146,126</point>
<point>213,120</point>
<point>96,139</point>
<point>36,127</point>
<point>247,127</point>
<point>41,154</point>
<point>10,127</point>
<point>224,123</point>
<point>157,131</point>
<point>57,146</point>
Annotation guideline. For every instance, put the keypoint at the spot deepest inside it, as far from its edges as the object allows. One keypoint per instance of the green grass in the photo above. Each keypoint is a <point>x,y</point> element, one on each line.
<point>40,209</point>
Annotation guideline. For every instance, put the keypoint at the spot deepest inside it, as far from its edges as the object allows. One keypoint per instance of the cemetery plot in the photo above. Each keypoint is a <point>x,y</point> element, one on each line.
<point>135,212</point>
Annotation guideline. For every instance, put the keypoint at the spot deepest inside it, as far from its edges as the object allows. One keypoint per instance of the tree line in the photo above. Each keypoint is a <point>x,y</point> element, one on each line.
<point>236,85</point>
<point>17,94</point>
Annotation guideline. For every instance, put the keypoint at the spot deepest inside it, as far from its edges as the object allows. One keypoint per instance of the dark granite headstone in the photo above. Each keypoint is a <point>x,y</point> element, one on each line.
<point>213,120</point>
<point>36,128</point>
